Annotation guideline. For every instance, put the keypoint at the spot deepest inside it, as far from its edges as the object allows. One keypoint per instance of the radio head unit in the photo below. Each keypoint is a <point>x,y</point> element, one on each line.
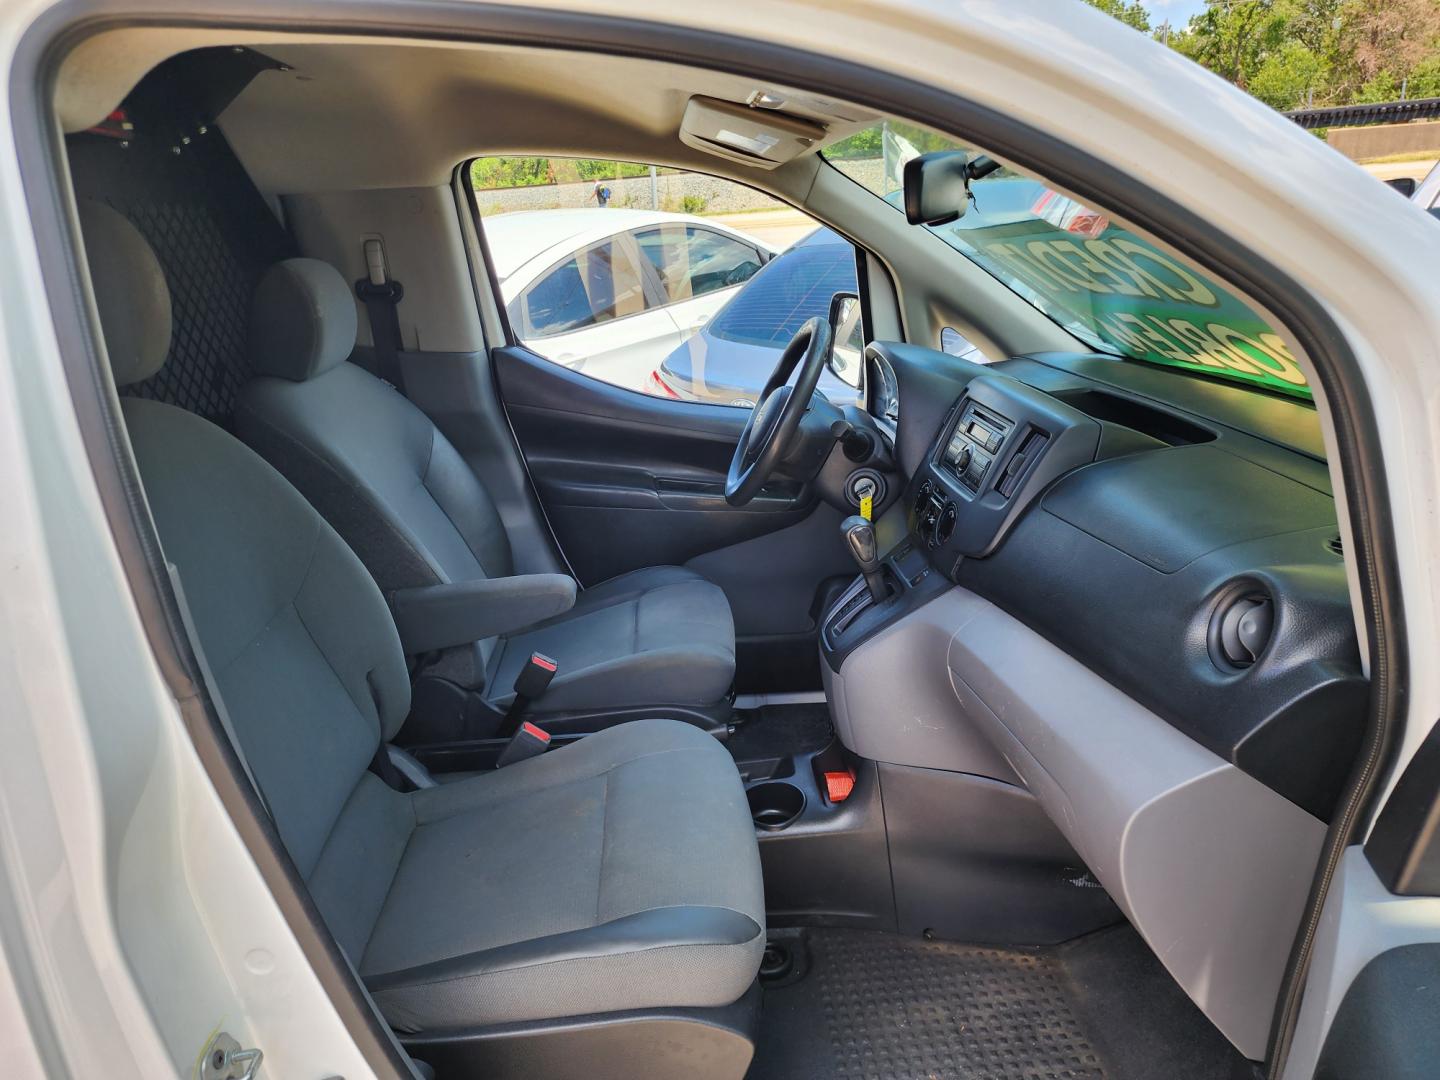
<point>1003,443</point>
<point>974,442</point>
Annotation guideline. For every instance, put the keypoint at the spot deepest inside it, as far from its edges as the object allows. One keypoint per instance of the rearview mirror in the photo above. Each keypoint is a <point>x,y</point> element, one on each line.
<point>937,187</point>
<point>847,340</point>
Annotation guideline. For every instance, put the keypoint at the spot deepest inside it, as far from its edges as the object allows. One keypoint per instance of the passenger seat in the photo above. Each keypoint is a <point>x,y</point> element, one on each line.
<point>617,879</point>
<point>400,494</point>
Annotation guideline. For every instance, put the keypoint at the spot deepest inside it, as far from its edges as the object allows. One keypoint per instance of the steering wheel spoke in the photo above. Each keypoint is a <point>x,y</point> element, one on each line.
<point>771,429</point>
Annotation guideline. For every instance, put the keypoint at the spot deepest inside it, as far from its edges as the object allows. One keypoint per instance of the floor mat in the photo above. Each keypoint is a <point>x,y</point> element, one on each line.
<point>865,1005</point>
<point>773,731</point>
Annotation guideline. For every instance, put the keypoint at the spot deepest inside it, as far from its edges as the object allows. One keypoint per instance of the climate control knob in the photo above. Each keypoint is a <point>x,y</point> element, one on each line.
<point>945,526</point>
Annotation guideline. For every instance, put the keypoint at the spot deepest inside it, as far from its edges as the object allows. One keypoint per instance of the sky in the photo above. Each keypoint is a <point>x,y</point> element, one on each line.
<point>1177,11</point>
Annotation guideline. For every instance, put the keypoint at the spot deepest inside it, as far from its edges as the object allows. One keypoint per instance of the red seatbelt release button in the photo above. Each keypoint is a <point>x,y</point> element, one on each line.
<point>527,742</point>
<point>535,676</point>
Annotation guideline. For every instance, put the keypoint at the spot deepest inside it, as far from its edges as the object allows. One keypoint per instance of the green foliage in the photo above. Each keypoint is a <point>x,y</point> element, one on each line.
<point>686,204</point>
<point>863,144</point>
<point>511,172</point>
<point>1296,53</point>
<point>868,143</point>
<point>1382,87</point>
<point>1233,39</point>
<point>1131,12</point>
<point>503,172</point>
<point>1425,78</point>
<point>1286,76</point>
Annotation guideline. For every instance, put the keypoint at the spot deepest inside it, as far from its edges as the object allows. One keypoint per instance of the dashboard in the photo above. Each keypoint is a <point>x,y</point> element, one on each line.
<point>1121,589</point>
<point>1191,558</point>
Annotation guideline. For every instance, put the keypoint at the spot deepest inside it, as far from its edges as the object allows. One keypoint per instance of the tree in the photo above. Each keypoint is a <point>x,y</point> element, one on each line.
<point>1290,53</point>
<point>1131,12</point>
<point>1233,37</point>
<point>510,172</point>
<point>1425,78</point>
<point>1391,35</point>
<point>1287,75</point>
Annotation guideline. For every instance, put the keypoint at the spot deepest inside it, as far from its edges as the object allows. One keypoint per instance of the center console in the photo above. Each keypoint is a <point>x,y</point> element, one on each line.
<point>998,869</point>
<point>1001,444</point>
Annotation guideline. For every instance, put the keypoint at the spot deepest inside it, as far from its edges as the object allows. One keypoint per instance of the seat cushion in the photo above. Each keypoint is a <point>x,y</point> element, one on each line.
<point>659,636</point>
<point>620,872</point>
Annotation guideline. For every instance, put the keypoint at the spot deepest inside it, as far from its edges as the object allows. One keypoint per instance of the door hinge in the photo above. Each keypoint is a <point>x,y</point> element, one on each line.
<point>224,1059</point>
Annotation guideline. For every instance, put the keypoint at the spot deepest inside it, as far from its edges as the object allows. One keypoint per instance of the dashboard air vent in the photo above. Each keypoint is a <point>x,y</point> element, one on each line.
<point>1336,545</point>
<point>1240,629</point>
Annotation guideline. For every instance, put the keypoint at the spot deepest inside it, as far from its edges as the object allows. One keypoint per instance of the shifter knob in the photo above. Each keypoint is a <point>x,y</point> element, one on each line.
<point>860,538</point>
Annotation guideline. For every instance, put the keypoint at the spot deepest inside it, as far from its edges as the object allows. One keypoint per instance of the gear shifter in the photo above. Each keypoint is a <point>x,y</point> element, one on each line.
<point>859,536</point>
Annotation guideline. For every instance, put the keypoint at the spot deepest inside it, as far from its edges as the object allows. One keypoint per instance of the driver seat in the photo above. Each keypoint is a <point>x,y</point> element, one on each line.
<point>658,641</point>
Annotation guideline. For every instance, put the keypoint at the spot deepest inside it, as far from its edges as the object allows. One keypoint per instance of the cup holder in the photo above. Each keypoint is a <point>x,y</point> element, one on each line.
<point>775,804</point>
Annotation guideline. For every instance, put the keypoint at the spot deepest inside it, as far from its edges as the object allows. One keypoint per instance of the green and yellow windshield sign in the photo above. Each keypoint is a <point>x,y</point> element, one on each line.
<point>1115,287</point>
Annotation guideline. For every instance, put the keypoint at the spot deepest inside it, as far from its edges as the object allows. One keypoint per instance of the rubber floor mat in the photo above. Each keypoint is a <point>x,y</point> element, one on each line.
<point>865,1005</point>
<point>779,730</point>
<point>899,1008</point>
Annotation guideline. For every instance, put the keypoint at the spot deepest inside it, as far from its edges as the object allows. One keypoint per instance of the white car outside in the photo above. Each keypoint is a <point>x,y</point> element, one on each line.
<point>611,292</point>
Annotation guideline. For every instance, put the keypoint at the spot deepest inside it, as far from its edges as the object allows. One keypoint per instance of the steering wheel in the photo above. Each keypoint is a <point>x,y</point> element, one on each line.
<point>773,422</point>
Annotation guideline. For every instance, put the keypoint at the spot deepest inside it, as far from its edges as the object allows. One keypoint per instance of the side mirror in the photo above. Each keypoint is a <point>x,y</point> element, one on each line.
<point>847,340</point>
<point>937,187</point>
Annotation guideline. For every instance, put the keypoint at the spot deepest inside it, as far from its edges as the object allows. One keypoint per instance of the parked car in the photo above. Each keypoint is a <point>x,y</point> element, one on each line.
<point>728,361</point>
<point>610,292</point>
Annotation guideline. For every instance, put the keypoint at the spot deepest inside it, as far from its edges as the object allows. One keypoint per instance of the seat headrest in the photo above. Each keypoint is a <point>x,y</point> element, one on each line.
<point>130,292</point>
<point>302,320</point>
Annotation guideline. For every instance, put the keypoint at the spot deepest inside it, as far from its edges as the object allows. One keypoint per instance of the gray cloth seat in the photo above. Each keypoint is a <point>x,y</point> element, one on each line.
<point>403,498</point>
<point>620,872</point>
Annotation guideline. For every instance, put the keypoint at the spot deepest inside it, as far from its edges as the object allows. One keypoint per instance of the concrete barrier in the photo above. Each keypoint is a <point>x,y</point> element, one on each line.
<point>1382,140</point>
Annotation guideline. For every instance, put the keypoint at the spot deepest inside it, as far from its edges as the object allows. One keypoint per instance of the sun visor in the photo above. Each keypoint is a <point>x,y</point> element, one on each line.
<point>762,138</point>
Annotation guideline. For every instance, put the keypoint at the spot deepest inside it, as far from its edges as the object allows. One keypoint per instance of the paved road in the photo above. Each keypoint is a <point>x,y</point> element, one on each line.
<point>778,228</point>
<point>1391,170</point>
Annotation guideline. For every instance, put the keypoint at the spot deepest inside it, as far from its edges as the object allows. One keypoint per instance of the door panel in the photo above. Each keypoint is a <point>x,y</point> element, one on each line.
<point>630,480</point>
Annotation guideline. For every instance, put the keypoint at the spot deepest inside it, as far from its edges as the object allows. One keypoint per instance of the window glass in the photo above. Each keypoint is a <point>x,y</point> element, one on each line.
<point>957,344</point>
<point>1111,288</point>
<point>798,286</point>
<point>692,261</point>
<point>599,284</point>
<point>621,272</point>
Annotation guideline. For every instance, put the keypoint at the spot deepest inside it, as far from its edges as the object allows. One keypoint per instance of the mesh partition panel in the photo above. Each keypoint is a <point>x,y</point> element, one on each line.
<point>214,236</point>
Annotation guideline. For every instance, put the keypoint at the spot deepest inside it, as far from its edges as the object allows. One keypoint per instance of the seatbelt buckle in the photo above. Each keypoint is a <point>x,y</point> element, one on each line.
<point>527,742</point>
<point>534,678</point>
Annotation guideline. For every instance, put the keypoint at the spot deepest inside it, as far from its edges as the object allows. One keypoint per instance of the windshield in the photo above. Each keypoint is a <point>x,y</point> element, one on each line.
<point>1110,288</point>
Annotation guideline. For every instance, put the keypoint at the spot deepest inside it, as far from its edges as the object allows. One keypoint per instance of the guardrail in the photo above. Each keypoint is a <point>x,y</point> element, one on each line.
<point>1385,112</point>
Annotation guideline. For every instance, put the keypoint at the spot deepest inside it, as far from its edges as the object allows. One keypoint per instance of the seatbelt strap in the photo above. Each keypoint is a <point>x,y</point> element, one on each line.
<point>382,297</point>
<point>209,680</point>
